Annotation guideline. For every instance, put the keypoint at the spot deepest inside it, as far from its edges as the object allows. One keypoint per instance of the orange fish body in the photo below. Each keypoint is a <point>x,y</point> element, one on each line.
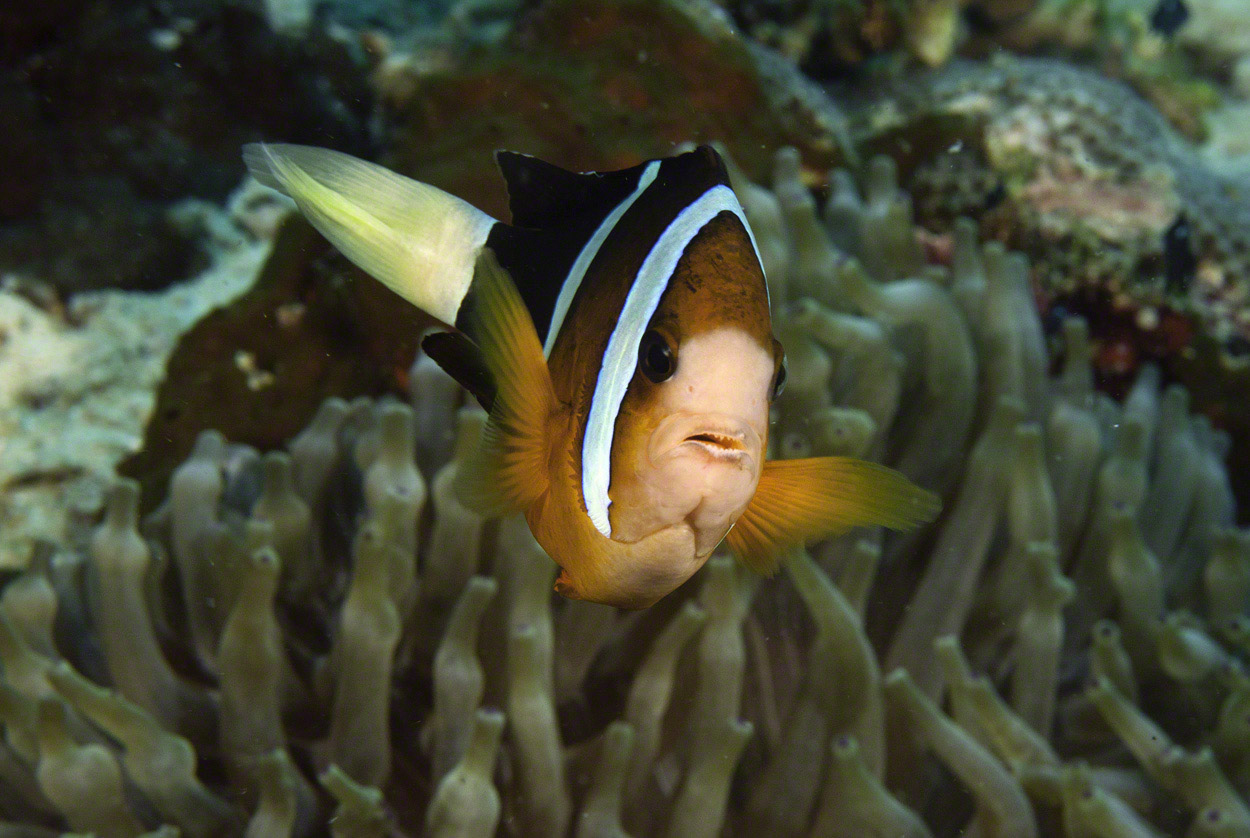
<point>633,438</point>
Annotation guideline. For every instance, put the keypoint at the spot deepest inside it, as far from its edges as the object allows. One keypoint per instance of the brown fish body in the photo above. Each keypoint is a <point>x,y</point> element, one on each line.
<point>633,440</point>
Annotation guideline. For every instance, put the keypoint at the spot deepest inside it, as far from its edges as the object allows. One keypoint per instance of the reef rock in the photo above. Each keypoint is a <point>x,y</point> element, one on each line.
<point>78,381</point>
<point>113,113</point>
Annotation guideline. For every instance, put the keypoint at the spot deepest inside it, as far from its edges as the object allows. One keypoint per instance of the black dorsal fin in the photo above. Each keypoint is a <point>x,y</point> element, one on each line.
<point>538,262</point>
<point>544,196</point>
<point>554,213</point>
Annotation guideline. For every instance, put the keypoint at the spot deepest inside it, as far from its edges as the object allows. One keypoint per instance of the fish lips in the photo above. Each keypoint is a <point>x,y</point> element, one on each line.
<point>716,438</point>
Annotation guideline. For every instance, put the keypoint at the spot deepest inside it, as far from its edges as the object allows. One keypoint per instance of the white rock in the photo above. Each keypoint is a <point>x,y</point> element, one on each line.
<point>77,388</point>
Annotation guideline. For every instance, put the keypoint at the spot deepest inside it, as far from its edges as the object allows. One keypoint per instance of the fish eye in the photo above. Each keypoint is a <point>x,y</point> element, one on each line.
<point>779,385</point>
<point>656,358</point>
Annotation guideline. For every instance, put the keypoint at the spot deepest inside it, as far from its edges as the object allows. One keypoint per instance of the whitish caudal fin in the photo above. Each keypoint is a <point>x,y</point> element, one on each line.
<point>418,240</point>
<point>509,471</point>
<point>801,500</point>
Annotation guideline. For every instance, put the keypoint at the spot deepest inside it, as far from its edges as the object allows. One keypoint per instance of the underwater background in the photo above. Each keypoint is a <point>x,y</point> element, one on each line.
<point>1008,245</point>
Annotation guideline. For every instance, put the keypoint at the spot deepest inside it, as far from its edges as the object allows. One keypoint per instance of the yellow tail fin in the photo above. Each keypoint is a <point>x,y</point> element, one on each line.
<point>509,471</point>
<point>416,239</point>
<point>801,500</point>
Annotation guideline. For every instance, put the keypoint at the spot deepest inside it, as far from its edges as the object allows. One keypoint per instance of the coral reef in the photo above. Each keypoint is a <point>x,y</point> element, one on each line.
<point>1162,49</point>
<point>78,379</point>
<point>1090,179</point>
<point>1217,28</point>
<point>322,639</point>
<point>829,37</point>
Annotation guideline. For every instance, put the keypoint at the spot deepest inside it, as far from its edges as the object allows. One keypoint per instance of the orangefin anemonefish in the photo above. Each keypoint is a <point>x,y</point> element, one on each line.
<point>633,436</point>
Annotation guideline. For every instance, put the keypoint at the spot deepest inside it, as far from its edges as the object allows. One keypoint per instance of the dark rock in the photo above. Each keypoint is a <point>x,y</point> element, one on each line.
<point>1169,16</point>
<point>1179,261</point>
<point>116,110</point>
<point>258,368</point>
<point>602,85</point>
<point>101,235</point>
<point>26,26</point>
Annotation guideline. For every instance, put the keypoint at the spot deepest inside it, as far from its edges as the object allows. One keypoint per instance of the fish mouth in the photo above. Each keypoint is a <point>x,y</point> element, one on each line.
<point>718,437</point>
<point>718,444</point>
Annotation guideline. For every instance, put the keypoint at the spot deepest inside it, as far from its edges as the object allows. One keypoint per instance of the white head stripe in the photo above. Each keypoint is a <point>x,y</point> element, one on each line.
<point>621,356</point>
<point>587,255</point>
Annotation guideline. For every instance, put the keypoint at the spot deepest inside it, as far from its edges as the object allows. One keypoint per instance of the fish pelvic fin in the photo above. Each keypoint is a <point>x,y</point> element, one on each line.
<point>462,359</point>
<point>801,500</point>
<point>416,239</point>
<point>510,469</point>
<point>565,587</point>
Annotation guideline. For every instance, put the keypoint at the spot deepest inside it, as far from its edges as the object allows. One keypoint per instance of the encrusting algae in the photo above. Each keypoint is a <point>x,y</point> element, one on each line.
<point>322,641</point>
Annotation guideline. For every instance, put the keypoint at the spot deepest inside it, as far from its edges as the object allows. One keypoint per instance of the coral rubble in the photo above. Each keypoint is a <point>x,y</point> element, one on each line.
<point>321,639</point>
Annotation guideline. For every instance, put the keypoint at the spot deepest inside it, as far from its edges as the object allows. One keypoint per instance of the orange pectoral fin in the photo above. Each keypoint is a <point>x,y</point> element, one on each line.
<point>508,472</point>
<point>802,500</point>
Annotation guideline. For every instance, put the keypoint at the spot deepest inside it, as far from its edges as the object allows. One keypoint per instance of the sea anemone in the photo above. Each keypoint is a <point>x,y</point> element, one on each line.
<point>323,639</point>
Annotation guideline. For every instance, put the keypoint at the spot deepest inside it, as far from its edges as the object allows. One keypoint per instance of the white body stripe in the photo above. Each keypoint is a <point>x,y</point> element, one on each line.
<point>587,255</point>
<point>621,356</point>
